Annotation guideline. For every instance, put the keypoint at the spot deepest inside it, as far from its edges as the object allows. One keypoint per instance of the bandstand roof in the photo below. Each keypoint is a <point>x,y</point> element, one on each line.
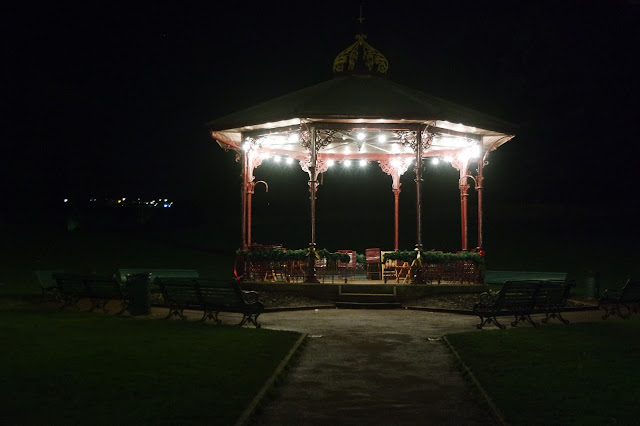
<point>360,115</point>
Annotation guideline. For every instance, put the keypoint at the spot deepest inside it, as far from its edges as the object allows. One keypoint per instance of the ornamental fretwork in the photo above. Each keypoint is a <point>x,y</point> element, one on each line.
<point>410,138</point>
<point>323,138</point>
<point>321,166</point>
<point>371,57</point>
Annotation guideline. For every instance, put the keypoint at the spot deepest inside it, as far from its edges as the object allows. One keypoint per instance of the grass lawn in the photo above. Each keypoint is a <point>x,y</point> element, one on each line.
<point>582,374</point>
<point>86,368</point>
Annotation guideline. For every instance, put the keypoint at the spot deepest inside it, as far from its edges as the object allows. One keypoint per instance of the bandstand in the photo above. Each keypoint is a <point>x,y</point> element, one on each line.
<point>361,116</point>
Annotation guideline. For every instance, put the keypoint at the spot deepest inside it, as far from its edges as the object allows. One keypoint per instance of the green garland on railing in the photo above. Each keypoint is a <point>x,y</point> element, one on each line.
<point>434,256</point>
<point>285,255</point>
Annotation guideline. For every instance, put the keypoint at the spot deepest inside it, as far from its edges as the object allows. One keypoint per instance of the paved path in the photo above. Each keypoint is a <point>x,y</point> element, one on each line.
<point>376,367</point>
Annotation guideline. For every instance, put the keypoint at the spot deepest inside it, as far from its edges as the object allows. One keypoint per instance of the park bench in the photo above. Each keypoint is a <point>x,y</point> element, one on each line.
<point>103,288</point>
<point>210,296</point>
<point>552,298</point>
<point>154,273</point>
<point>621,302</point>
<point>99,289</point>
<point>524,298</point>
<point>46,281</point>
<point>514,298</point>
<point>70,289</point>
<point>124,274</point>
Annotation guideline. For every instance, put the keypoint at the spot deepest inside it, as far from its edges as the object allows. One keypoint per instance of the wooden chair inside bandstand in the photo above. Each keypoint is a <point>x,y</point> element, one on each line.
<point>374,263</point>
<point>395,270</point>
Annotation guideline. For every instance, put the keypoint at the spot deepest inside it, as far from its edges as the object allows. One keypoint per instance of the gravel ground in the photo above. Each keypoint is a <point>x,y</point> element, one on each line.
<point>273,300</point>
<point>451,301</point>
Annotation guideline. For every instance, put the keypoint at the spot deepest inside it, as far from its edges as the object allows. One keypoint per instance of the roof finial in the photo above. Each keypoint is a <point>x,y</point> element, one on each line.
<point>361,18</point>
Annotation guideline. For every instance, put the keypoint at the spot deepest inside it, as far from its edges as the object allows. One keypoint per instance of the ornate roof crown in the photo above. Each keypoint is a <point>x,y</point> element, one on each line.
<point>360,57</point>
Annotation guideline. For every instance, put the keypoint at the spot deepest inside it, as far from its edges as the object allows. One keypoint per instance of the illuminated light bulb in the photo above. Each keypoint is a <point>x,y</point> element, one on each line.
<point>289,160</point>
<point>435,160</point>
<point>66,200</point>
<point>246,146</point>
<point>361,136</point>
<point>264,155</point>
<point>294,137</point>
<point>330,163</point>
<point>382,138</point>
<point>448,159</point>
<point>276,158</point>
<point>408,160</point>
<point>395,148</point>
<point>363,163</point>
<point>396,162</point>
<point>346,163</point>
<point>408,149</point>
<point>474,151</point>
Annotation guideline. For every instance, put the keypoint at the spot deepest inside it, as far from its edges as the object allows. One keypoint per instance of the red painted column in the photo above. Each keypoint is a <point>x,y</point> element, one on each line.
<point>479,188</point>
<point>464,192</point>
<point>245,176</point>
<point>313,181</point>
<point>250,192</point>
<point>396,193</point>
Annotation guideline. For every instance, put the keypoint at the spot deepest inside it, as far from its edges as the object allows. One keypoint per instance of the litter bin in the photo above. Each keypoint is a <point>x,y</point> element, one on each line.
<point>139,294</point>
<point>592,284</point>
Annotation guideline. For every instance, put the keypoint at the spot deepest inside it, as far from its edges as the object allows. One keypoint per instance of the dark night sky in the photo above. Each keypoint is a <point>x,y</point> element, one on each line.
<point>110,99</point>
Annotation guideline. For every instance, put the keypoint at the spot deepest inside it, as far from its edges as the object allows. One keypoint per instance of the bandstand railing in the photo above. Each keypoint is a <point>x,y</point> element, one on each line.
<point>281,265</point>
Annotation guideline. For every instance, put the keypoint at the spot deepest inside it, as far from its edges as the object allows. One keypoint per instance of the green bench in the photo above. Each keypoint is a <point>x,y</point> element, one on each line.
<point>154,273</point>
<point>522,299</point>
<point>210,296</point>
<point>99,289</point>
<point>552,298</point>
<point>514,298</point>
<point>47,283</point>
<point>621,302</point>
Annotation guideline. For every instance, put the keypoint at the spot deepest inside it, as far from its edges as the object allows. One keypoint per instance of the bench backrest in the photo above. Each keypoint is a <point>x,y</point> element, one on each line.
<point>158,273</point>
<point>220,292</point>
<point>518,294</point>
<point>500,277</point>
<point>553,293</point>
<point>631,291</point>
<point>103,286</point>
<point>71,283</point>
<point>45,278</point>
<point>178,290</point>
